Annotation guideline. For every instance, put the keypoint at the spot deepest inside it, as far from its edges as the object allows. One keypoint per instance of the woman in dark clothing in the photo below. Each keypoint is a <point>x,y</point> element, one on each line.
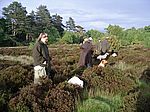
<point>41,58</point>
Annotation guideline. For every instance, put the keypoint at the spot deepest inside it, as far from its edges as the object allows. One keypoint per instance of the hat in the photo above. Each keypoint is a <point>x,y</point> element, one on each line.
<point>85,39</point>
<point>90,38</point>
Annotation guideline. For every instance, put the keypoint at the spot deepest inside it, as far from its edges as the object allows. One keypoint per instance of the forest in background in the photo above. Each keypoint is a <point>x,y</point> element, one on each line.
<point>18,27</point>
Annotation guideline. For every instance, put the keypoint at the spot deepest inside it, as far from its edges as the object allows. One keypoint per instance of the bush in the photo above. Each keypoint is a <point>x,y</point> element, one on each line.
<point>101,104</point>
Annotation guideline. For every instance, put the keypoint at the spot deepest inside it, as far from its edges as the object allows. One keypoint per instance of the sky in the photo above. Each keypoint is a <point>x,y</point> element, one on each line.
<point>94,14</point>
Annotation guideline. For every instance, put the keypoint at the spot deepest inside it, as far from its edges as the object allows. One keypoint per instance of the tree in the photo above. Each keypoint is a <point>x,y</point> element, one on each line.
<point>95,34</point>
<point>70,25</point>
<point>4,38</point>
<point>69,38</point>
<point>114,30</point>
<point>43,18</point>
<point>57,23</point>
<point>2,29</point>
<point>147,28</point>
<point>80,30</point>
<point>15,15</point>
<point>31,27</point>
<point>53,34</point>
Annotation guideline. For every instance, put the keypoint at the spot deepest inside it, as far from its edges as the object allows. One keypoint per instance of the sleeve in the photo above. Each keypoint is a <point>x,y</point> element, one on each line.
<point>43,54</point>
<point>83,46</point>
<point>40,52</point>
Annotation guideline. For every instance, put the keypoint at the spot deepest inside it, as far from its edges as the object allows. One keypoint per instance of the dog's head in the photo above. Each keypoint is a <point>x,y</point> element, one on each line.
<point>103,63</point>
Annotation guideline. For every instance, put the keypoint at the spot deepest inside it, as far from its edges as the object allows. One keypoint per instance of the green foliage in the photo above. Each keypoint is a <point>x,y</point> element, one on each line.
<point>4,97</point>
<point>69,38</point>
<point>146,40</point>
<point>115,43</point>
<point>143,85</point>
<point>123,66</point>
<point>147,28</point>
<point>16,16</point>
<point>31,45</point>
<point>93,105</point>
<point>70,24</point>
<point>53,34</point>
<point>114,30</point>
<point>95,34</point>
<point>101,104</point>
<point>2,29</point>
<point>43,18</point>
<point>32,30</point>
<point>23,28</point>
<point>20,107</point>
<point>57,23</point>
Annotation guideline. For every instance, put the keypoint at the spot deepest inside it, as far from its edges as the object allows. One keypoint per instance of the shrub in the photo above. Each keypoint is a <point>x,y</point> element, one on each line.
<point>101,104</point>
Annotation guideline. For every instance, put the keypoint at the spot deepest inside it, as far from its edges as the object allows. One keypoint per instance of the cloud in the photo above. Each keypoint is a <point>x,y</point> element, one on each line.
<point>95,14</point>
<point>92,20</point>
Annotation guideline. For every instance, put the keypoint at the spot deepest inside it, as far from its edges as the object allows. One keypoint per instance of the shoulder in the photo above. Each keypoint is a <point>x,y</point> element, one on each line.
<point>37,46</point>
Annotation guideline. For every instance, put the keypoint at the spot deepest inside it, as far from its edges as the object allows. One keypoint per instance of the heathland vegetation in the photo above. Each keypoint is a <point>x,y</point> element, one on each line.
<point>122,86</point>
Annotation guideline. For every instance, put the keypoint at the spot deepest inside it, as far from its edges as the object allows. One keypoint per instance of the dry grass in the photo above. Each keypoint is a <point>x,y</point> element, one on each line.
<point>23,59</point>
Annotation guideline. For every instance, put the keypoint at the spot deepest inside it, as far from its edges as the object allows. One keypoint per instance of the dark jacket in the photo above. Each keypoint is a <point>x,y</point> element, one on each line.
<point>104,46</point>
<point>41,54</point>
<point>85,54</point>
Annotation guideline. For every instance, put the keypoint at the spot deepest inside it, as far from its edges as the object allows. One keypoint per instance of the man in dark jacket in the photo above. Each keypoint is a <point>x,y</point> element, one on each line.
<point>86,53</point>
<point>41,58</point>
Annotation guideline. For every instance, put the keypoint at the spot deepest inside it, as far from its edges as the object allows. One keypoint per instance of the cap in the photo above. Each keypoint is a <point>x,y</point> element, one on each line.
<point>90,38</point>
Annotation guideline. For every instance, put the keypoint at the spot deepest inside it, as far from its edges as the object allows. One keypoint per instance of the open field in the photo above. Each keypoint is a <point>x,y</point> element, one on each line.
<point>122,86</point>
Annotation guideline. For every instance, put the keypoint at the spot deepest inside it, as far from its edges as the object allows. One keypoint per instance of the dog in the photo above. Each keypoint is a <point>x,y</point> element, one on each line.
<point>114,55</point>
<point>103,63</point>
<point>75,80</point>
<point>100,57</point>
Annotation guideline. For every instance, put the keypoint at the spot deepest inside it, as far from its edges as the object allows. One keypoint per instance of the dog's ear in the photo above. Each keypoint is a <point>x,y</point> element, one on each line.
<point>104,61</point>
<point>101,65</point>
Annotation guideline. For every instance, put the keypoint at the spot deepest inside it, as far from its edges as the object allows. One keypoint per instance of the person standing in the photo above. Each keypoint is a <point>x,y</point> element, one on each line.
<point>105,46</point>
<point>86,54</point>
<point>41,57</point>
<point>88,58</point>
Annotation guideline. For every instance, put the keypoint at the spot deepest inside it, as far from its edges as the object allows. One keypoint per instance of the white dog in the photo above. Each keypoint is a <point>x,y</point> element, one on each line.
<point>75,80</point>
<point>114,54</point>
<point>100,57</point>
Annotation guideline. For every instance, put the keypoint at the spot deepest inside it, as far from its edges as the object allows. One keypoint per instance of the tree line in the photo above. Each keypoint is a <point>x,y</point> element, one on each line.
<point>17,27</point>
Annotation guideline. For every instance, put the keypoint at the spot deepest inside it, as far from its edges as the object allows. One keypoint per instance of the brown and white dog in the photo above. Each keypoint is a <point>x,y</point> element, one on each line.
<point>103,63</point>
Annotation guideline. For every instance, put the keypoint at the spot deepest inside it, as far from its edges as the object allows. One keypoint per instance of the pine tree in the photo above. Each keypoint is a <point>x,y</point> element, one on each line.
<point>31,32</point>
<point>15,15</point>
<point>70,25</point>
<point>57,23</point>
<point>43,18</point>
